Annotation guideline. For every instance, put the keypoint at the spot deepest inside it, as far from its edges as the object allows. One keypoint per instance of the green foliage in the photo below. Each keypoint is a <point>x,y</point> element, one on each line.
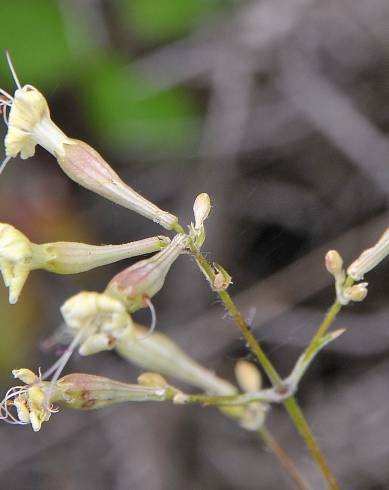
<point>157,20</point>
<point>34,32</point>
<point>124,112</point>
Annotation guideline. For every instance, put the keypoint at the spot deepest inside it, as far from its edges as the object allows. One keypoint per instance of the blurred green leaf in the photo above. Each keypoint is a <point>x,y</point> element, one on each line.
<point>34,32</point>
<point>125,113</point>
<point>157,20</point>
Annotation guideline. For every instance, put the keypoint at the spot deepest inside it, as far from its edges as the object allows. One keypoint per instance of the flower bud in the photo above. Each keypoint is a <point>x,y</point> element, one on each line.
<point>370,258</point>
<point>254,416</point>
<point>141,281</point>
<point>152,379</point>
<point>356,293</point>
<point>85,166</point>
<point>249,379</point>
<point>222,278</point>
<point>101,319</point>
<point>248,376</point>
<point>334,263</point>
<point>201,209</point>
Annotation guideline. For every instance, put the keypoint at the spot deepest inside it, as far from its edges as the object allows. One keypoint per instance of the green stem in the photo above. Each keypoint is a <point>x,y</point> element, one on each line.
<point>290,404</point>
<point>301,423</point>
<point>244,328</point>
<point>177,228</point>
<point>327,322</point>
<point>263,396</point>
<point>283,458</point>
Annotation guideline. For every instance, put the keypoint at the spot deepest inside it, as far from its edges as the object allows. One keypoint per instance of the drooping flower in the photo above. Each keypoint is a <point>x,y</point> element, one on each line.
<point>30,124</point>
<point>19,256</point>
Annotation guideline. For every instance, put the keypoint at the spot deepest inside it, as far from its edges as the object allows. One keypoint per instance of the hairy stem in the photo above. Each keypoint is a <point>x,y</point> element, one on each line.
<point>290,404</point>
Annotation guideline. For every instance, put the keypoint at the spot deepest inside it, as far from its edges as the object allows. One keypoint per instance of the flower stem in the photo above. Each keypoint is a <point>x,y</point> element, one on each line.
<point>299,420</point>
<point>327,321</point>
<point>283,458</point>
<point>290,404</point>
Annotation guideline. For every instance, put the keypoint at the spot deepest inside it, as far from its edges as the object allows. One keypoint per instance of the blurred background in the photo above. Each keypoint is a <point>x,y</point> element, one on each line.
<point>279,110</point>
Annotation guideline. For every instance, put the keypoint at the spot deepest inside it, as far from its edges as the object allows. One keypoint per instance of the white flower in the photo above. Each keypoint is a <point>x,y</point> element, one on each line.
<point>15,259</point>
<point>99,319</point>
<point>28,401</point>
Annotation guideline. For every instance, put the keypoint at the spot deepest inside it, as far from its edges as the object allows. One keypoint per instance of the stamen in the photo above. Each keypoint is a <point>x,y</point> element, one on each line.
<point>153,319</point>
<point>6,94</point>
<point>11,67</point>
<point>5,414</point>
<point>3,165</point>
<point>5,115</point>
<point>58,367</point>
<point>57,340</point>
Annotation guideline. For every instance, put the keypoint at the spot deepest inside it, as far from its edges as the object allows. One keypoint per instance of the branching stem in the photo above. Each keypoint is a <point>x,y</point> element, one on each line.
<point>290,404</point>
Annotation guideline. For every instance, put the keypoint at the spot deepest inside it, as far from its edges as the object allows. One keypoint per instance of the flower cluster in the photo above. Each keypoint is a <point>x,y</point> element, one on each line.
<point>102,321</point>
<point>346,290</point>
